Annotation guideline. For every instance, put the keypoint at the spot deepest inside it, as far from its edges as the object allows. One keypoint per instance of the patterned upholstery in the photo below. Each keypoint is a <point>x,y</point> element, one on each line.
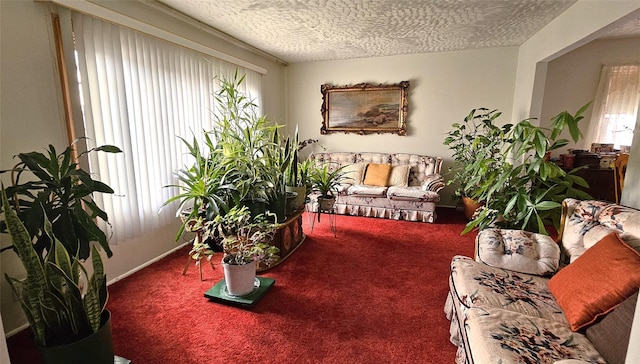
<point>518,250</point>
<point>501,315</point>
<point>416,202</point>
<point>586,222</point>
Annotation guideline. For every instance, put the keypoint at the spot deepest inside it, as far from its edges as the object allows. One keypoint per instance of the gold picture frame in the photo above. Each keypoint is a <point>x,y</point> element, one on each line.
<point>365,108</point>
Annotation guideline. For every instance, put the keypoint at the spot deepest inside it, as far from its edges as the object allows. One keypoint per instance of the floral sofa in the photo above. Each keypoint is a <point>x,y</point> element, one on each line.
<point>409,192</point>
<point>527,299</point>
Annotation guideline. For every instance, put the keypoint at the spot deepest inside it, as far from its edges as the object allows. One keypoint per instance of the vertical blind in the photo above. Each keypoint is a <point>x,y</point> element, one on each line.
<point>141,93</point>
<point>615,106</point>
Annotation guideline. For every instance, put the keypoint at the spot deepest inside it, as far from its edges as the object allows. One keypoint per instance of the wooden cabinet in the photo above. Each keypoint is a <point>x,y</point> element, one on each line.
<point>601,183</point>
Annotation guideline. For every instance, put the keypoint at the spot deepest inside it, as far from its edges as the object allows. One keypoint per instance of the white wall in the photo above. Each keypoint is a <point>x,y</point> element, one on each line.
<point>444,88</point>
<point>572,78</point>
<point>581,23</point>
<point>31,116</point>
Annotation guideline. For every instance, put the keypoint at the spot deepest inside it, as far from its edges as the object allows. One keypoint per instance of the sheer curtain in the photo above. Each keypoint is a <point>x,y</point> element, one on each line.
<point>615,106</point>
<point>140,93</point>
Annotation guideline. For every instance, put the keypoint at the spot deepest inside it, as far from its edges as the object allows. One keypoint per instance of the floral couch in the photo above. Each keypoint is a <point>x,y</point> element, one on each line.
<point>409,192</point>
<point>527,299</point>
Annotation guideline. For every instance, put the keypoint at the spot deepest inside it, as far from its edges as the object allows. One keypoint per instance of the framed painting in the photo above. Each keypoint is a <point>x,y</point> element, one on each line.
<point>365,108</point>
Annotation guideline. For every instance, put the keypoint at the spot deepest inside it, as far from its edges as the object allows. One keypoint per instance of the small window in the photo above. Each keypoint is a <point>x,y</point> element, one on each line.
<point>615,107</point>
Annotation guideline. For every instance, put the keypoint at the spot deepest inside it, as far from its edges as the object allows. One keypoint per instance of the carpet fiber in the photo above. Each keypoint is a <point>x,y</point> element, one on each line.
<point>374,294</point>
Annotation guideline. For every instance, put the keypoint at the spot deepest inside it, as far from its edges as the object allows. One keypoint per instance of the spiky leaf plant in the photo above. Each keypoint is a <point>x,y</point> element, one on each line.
<point>62,302</point>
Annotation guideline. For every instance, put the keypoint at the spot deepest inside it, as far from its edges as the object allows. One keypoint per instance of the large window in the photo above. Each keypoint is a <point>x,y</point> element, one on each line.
<point>615,107</point>
<point>141,93</point>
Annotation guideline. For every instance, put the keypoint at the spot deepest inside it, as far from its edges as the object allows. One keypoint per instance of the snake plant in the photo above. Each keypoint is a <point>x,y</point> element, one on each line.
<point>62,302</point>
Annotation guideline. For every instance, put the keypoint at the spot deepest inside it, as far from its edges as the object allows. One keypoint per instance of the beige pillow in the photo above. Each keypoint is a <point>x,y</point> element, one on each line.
<point>400,176</point>
<point>377,175</point>
<point>353,173</point>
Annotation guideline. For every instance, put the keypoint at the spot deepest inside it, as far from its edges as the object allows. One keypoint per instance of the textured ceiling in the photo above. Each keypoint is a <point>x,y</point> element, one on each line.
<point>316,30</point>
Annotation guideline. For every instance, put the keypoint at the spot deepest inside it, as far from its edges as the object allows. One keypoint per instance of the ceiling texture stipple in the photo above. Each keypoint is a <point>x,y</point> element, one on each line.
<point>318,30</point>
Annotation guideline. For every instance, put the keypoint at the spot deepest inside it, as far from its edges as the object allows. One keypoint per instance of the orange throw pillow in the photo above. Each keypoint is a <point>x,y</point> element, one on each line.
<point>377,174</point>
<point>599,280</point>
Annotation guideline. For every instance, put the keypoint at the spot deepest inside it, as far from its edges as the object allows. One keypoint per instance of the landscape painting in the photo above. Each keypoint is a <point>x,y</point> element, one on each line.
<point>365,108</point>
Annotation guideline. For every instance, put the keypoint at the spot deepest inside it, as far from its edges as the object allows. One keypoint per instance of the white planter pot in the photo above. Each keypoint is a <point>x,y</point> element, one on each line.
<point>239,279</point>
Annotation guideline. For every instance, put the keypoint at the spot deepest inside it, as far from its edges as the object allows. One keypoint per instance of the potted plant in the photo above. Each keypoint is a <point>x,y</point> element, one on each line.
<point>296,177</point>
<point>243,137</point>
<point>278,158</point>
<point>65,306</point>
<point>477,144</point>
<point>246,242</point>
<point>299,171</point>
<point>63,193</point>
<point>524,189</point>
<point>204,189</point>
<point>326,180</point>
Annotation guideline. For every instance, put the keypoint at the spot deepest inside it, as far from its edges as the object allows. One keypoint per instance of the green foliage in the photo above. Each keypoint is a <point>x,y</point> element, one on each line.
<point>204,187</point>
<point>326,180</point>
<point>527,194</point>
<point>63,304</point>
<point>246,239</point>
<point>477,145</point>
<point>62,193</point>
<point>243,137</point>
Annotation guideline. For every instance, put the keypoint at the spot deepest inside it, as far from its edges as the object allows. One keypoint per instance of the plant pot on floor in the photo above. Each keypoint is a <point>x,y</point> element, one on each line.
<point>470,206</point>
<point>96,348</point>
<point>239,278</point>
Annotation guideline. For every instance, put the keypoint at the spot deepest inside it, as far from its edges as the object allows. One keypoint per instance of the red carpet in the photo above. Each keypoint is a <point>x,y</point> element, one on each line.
<point>374,294</point>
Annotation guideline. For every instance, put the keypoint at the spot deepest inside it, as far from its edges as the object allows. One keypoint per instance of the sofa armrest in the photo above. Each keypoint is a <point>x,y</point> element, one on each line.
<point>433,182</point>
<point>518,250</point>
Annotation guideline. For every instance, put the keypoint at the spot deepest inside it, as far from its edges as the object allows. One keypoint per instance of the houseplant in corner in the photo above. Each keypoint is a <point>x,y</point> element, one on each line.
<point>245,240</point>
<point>525,189</point>
<point>477,144</point>
<point>65,306</point>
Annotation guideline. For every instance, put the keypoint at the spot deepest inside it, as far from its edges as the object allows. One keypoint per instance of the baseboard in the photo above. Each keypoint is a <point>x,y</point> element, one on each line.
<point>140,267</point>
<point>122,276</point>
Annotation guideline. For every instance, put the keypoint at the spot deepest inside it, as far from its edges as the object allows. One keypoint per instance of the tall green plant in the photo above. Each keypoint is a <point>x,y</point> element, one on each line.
<point>528,192</point>
<point>63,303</point>
<point>477,144</point>
<point>61,192</point>
<point>326,180</point>
<point>243,137</point>
<point>205,189</point>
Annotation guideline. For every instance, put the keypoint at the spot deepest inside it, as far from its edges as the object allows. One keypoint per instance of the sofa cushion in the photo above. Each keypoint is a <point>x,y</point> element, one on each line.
<point>518,250</point>
<point>353,173</point>
<point>411,193</point>
<point>610,336</point>
<point>399,176</point>
<point>496,335</point>
<point>363,190</point>
<point>377,174</point>
<point>601,278</point>
<point>589,221</point>
<point>478,285</point>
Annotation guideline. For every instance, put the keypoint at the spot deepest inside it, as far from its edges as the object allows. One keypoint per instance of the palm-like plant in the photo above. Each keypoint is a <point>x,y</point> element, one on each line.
<point>205,190</point>
<point>326,180</point>
<point>243,137</point>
